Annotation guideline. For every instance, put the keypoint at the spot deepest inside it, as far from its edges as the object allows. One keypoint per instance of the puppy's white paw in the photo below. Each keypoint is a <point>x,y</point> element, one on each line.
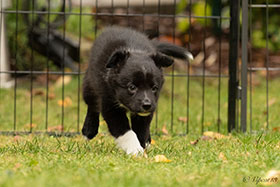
<point>130,143</point>
<point>86,138</point>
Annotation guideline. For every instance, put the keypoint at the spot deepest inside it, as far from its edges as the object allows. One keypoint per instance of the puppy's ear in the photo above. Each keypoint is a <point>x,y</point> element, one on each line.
<point>162,60</point>
<point>117,59</point>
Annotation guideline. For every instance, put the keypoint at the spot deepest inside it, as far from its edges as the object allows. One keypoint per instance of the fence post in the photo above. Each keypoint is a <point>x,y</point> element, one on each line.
<point>243,119</point>
<point>232,67</point>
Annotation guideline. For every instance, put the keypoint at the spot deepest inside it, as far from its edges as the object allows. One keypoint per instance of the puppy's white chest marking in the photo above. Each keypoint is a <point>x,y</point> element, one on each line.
<point>129,143</point>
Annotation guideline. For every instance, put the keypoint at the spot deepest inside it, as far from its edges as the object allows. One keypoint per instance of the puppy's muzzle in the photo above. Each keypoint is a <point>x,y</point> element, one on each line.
<point>146,107</point>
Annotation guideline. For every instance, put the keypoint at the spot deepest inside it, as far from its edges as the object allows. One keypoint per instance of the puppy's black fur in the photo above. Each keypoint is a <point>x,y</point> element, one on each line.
<point>124,74</point>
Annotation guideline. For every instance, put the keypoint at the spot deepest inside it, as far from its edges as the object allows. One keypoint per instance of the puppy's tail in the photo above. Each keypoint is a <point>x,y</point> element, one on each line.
<point>173,50</point>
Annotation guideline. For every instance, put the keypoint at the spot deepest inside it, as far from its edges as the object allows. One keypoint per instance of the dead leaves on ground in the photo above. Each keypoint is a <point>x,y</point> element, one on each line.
<point>209,136</point>
<point>214,135</point>
<point>272,101</point>
<point>153,142</point>
<point>276,129</point>
<point>65,103</point>
<point>161,158</point>
<point>41,92</point>
<point>194,142</point>
<point>183,119</point>
<point>56,128</point>
<point>62,80</point>
<point>30,126</point>
<point>156,159</point>
<point>164,130</point>
<point>59,82</point>
<point>222,157</point>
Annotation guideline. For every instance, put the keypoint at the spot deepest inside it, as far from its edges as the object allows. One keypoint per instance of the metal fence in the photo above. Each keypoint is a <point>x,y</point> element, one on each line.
<point>250,67</point>
<point>43,28</point>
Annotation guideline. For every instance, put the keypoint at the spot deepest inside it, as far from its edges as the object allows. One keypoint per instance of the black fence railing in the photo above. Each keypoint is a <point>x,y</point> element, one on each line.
<point>267,11</point>
<point>49,42</point>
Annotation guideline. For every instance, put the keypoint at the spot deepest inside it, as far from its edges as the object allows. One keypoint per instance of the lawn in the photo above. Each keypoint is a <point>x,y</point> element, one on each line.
<point>49,161</point>
<point>193,159</point>
<point>41,160</point>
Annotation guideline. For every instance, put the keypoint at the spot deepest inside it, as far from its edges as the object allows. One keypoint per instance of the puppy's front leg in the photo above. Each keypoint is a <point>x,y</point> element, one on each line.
<point>118,125</point>
<point>141,126</point>
<point>91,124</point>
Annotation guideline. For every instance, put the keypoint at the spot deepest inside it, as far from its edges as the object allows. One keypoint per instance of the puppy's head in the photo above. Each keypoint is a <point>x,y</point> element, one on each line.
<point>136,77</point>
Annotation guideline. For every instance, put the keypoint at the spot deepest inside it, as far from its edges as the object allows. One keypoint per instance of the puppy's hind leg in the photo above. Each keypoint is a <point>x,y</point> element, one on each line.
<point>91,124</point>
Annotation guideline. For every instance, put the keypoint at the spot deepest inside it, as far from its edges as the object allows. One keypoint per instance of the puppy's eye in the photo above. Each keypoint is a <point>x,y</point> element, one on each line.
<point>155,88</point>
<point>132,88</point>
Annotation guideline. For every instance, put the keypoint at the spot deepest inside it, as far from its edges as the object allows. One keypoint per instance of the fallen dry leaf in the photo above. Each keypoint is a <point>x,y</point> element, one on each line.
<point>56,128</point>
<point>30,125</point>
<point>272,177</point>
<point>222,157</point>
<point>63,80</point>
<point>37,92</point>
<point>214,135</point>
<point>153,142</point>
<point>51,95</point>
<point>276,129</point>
<point>66,102</point>
<point>17,138</point>
<point>17,165</point>
<point>183,119</point>
<point>161,158</point>
<point>194,142</point>
<point>272,101</point>
<point>207,138</point>
<point>164,130</point>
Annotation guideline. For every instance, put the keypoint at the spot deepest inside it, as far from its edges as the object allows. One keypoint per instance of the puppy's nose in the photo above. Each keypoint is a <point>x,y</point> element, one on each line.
<point>146,105</point>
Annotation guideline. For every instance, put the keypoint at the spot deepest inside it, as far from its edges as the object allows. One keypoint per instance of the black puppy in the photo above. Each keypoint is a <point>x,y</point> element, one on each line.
<point>124,75</point>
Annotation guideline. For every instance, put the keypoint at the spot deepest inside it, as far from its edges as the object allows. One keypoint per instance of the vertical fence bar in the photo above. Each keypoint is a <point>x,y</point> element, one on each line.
<point>232,67</point>
<point>188,75</point>
<point>63,68</point>
<point>251,65</point>
<point>204,68</point>
<point>32,65</point>
<point>1,28</point>
<point>48,67</point>
<point>79,67</point>
<point>15,72</point>
<point>157,34</point>
<point>267,63</point>
<point>220,69</point>
<point>173,69</point>
<point>243,119</point>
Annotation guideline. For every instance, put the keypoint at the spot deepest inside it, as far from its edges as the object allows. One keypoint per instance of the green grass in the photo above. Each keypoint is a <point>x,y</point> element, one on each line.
<point>40,160</point>
<point>49,161</point>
